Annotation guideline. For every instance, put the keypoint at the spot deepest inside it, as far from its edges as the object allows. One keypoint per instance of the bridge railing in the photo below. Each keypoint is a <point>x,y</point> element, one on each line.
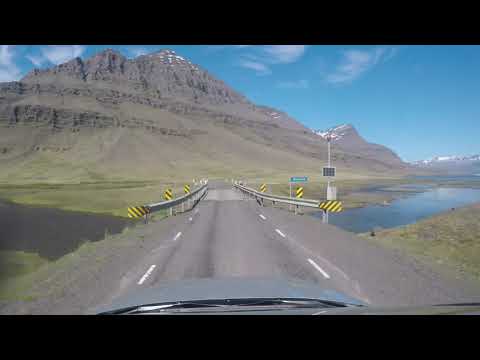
<point>277,198</point>
<point>187,201</point>
<point>195,195</point>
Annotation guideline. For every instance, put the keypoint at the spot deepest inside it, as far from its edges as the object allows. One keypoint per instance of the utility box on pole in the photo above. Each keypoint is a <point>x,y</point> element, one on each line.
<point>331,192</point>
<point>329,172</point>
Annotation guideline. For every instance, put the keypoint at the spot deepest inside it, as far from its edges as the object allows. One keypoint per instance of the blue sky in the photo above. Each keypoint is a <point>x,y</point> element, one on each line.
<point>421,101</point>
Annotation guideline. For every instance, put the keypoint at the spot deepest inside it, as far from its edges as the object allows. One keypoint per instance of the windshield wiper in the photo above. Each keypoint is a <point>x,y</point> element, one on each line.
<point>228,304</point>
<point>291,302</point>
<point>154,308</point>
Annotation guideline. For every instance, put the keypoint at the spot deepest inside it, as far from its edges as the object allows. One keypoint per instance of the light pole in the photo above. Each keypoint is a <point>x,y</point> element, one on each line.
<point>325,212</point>
<point>328,182</point>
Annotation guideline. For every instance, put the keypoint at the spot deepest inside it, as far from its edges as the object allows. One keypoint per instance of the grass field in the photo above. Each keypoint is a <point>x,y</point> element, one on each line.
<point>111,198</point>
<point>114,196</point>
<point>449,239</point>
<point>17,263</point>
<point>26,270</point>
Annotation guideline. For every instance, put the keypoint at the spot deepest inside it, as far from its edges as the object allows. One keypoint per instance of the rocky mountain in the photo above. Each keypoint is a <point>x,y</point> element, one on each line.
<point>347,138</point>
<point>154,116</point>
<point>165,74</point>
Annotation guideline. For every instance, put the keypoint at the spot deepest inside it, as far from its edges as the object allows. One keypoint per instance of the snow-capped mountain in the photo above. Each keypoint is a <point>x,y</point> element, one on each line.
<point>447,159</point>
<point>346,137</point>
<point>453,164</point>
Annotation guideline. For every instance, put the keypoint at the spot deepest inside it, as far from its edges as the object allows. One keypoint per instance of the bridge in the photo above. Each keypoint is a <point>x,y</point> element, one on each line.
<point>228,234</point>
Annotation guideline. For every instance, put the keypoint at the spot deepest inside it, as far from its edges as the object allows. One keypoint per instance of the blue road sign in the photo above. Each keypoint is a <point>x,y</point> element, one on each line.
<point>295,179</point>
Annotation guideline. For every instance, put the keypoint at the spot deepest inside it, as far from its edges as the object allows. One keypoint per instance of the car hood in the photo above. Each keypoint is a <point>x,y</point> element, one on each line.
<point>241,288</point>
<point>226,288</point>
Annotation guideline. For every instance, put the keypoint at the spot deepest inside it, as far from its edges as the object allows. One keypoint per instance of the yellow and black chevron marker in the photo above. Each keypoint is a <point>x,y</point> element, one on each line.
<point>168,195</point>
<point>331,205</point>
<point>138,211</point>
<point>186,188</point>
<point>263,188</point>
<point>299,192</point>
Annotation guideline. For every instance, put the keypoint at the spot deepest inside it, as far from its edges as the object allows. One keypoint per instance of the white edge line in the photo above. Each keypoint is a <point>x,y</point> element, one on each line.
<point>144,277</point>
<point>177,236</point>
<point>314,264</point>
<point>262,216</point>
<point>280,233</point>
<point>320,312</point>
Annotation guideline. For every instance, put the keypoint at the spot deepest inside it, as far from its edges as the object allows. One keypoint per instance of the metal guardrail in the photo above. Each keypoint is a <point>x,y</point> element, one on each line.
<point>278,198</point>
<point>195,195</point>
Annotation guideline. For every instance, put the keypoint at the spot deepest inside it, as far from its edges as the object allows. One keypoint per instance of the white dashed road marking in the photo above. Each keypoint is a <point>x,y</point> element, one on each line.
<point>263,217</point>
<point>190,219</point>
<point>147,274</point>
<point>280,233</point>
<point>177,236</point>
<point>320,312</point>
<point>314,264</point>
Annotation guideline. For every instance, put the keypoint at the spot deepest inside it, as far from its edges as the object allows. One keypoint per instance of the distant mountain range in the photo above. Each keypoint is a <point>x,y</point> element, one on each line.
<point>158,116</point>
<point>452,164</point>
<point>444,159</point>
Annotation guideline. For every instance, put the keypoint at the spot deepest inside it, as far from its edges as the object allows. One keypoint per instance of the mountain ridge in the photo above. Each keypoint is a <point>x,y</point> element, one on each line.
<point>154,109</point>
<point>348,138</point>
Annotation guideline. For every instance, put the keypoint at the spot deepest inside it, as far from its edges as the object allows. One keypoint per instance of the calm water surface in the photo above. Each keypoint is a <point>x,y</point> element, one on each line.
<point>404,211</point>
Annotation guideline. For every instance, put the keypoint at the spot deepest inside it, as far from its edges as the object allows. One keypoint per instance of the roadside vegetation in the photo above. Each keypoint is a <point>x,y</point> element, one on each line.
<point>110,198</point>
<point>26,276</point>
<point>17,263</point>
<point>450,239</point>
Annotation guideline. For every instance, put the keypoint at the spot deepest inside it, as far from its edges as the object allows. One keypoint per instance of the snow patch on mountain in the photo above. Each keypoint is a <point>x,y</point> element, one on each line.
<point>335,133</point>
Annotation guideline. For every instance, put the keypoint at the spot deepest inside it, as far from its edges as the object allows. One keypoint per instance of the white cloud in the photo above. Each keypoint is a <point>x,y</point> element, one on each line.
<point>299,84</point>
<point>6,55</point>
<point>137,51</point>
<point>260,68</point>
<point>9,71</point>
<point>356,62</point>
<point>59,54</point>
<point>36,60</point>
<point>284,54</point>
<point>260,57</point>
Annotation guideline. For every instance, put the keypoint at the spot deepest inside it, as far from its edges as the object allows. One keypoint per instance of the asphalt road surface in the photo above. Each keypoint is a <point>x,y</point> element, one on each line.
<point>227,235</point>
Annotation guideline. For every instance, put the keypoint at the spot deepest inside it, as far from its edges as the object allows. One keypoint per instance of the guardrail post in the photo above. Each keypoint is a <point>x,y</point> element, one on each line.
<point>183,206</point>
<point>296,209</point>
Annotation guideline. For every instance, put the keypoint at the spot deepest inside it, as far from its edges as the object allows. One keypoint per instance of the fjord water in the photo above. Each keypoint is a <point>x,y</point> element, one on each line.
<point>404,211</point>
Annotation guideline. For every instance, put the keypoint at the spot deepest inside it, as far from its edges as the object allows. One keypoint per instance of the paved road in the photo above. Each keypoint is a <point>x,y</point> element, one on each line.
<point>229,236</point>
